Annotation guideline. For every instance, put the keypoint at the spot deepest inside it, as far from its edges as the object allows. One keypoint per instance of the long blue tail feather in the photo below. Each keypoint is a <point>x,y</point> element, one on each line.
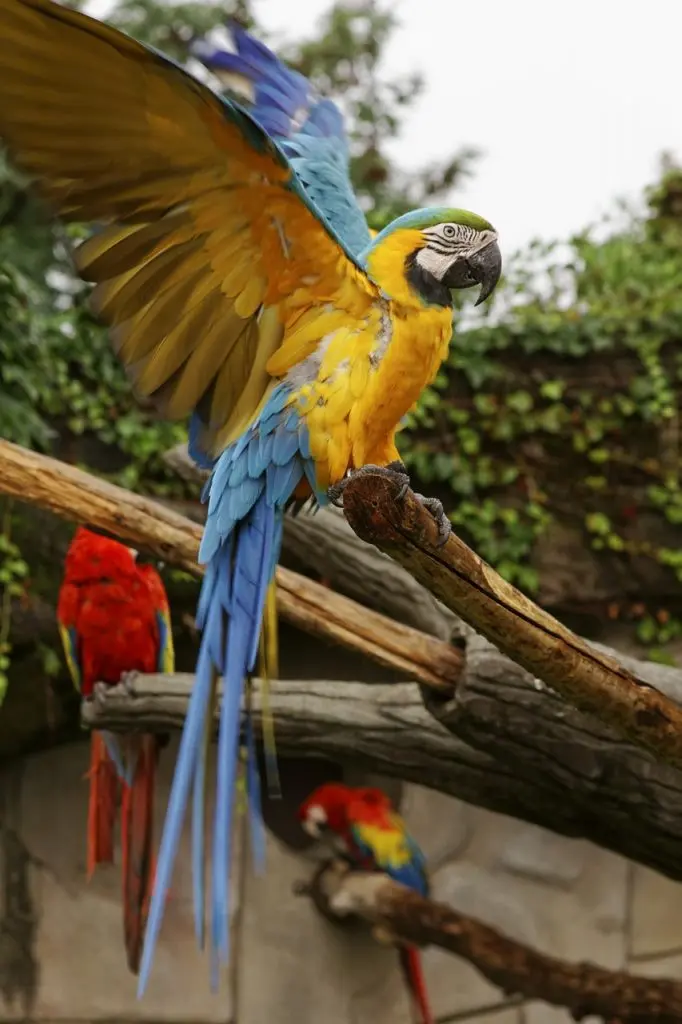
<point>257,825</point>
<point>212,611</point>
<point>177,804</point>
<point>252,564</point>
<point>250,485</point>
<point>199,801</point>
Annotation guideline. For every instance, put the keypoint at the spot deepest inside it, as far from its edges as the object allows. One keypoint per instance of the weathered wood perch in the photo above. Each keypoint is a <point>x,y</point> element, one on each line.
<point>587,678</point>
<point>631,805</point>
<point>513,745</point>
<point>73,494</point>
<point>584,989</point>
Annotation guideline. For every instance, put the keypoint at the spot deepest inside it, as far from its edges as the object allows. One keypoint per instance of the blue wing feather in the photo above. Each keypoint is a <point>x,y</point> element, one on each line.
<point>309,129</point>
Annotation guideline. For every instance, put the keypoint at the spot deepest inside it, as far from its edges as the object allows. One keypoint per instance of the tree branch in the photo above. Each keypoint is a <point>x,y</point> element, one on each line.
<point>614,795</point>
<point>584,989</point>
<point>73,494</point>
<point>585,676</point>
<point>536,758</point>
<point>585,780</point>
<point>326,544</point>
<point>383,726</point>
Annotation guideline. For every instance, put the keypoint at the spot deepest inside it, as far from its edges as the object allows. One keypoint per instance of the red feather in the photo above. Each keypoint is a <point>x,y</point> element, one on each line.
<point>336,808</point>
<point>111,605</point>
<point>102,805</point>
<point>137,832</point>
<point>411,966</point>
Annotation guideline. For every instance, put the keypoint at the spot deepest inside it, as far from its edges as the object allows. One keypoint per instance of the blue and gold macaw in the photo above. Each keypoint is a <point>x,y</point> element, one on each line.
<point>235,299</point>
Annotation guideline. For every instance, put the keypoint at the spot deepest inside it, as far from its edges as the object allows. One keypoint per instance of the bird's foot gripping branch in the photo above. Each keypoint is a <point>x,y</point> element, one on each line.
<point>396,472</point>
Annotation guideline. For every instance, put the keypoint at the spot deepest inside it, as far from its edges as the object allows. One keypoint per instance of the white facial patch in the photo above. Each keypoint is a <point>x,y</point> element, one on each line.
<point>446,243</point>
<point>315,820</point>
<point>435,263</point>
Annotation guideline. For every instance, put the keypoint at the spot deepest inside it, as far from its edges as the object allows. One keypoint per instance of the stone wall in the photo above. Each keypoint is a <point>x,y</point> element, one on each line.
<point>61,953</point>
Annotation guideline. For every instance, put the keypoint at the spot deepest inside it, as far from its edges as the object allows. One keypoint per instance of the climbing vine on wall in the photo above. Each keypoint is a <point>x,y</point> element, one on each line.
<point>562,403</point>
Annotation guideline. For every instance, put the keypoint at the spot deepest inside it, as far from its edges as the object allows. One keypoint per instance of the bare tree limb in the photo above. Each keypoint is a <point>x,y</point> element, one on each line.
<point>584,778</point>
<point>615,795</point>
<point>73,494</point>
<point>326,544</point>
<point>587,678</point>
<point>536,758</point>
<point>584,989</point>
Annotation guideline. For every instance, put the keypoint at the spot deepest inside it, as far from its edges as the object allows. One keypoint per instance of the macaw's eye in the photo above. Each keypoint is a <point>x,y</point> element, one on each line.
<point>449,231</point>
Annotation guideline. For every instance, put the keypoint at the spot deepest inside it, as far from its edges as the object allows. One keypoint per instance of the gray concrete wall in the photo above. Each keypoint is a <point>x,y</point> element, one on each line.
<point>61,952</point>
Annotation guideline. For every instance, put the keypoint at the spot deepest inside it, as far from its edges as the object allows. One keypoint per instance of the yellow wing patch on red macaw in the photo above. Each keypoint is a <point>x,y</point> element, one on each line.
<point>69,639</point>
<point>389,845</point>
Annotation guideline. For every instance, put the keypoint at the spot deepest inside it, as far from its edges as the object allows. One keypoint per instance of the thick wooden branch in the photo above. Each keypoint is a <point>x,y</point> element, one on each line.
<point>384,727</point>
<point>597,788</point>
<point>533,756</point>
<point>589,679</point>
<point>73,494</point>
<point>583,988</point>
<point>326,544</point>
<point>585,779</point>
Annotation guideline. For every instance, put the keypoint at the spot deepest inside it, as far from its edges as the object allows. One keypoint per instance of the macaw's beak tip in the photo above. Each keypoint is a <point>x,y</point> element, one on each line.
<point>486,268</point>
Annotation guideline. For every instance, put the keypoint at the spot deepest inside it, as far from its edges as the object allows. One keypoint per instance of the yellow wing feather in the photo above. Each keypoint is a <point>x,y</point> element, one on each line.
<point>269,670</point>
<point>166,659</point>
<point>200,228</point>
<point>69,644</point>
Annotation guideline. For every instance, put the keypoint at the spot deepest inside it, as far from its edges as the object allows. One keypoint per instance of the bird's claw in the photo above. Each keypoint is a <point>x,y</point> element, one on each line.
<point>395,470</point>
<point>435,507</point>
<point>398,472</point>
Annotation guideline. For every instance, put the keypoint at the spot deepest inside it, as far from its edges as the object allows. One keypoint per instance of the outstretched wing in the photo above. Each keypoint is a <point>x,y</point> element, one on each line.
<point>204,227</point>
<point>309,129</point>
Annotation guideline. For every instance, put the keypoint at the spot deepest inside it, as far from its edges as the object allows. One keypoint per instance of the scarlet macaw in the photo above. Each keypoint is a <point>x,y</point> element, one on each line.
<point>234,299</point>
<point>363,825</point>
<point>113,618</point>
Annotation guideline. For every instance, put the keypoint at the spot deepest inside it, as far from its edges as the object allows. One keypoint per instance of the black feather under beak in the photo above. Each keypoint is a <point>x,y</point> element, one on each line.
<point>483,267</point>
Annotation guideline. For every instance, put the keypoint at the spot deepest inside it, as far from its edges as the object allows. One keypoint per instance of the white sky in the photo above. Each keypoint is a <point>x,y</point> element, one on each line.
<point>571,101</point>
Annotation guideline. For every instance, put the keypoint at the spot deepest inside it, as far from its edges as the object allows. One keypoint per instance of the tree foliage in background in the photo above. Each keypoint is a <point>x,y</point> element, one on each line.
<point>560,407</point>
<point>557,409</point>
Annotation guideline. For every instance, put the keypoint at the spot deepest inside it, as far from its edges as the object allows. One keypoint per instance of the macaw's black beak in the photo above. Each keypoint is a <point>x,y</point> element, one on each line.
<point>483,267</point>
<point>486,268</point>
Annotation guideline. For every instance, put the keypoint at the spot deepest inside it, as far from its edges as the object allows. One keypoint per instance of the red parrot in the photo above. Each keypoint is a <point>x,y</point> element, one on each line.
<point>362,824</point>
<point>114,618</point>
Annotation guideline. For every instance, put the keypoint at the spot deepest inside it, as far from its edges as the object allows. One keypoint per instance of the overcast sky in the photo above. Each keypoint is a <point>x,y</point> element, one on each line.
<point>571,102</point>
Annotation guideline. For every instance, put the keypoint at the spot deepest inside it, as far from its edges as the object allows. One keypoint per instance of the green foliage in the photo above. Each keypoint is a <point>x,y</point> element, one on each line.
<point>561,403</point>
<point>13,573</point>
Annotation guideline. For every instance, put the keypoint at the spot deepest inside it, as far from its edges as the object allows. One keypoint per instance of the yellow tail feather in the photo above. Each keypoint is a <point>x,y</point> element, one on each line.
<point>269,670</point>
